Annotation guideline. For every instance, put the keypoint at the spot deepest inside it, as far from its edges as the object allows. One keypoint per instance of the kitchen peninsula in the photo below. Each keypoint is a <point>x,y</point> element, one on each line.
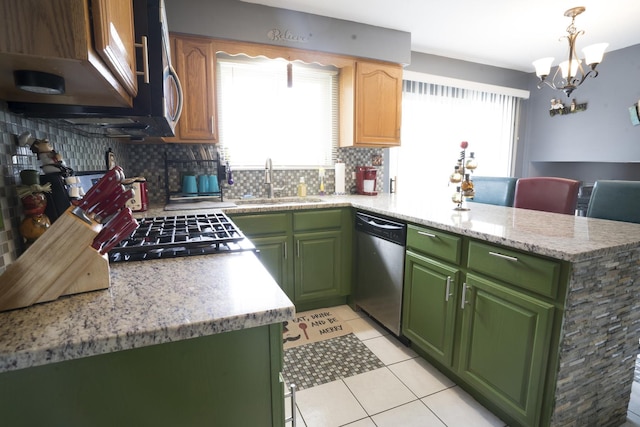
<point>160,304</point>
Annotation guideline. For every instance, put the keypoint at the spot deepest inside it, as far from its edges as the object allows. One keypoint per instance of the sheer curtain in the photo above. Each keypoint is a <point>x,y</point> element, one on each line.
<point>435,119</point>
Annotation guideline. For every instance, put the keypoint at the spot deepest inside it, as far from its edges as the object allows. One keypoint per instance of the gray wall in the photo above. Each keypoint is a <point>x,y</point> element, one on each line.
<point>598,143</point>
<point>232,19</point>
<point>465,70</point>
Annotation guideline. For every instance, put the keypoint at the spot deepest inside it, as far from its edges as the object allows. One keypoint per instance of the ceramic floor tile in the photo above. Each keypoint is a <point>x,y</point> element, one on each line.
<point>367,422</point>
<point>365,328</point>
<point>421,377</point>
<point>457,409</point>
<point>389,350</point>
<point>413,414</point>
<point>329,405</point>
<point>634,402</point>
<point>633,420</point>
<point>379,390</point>
<point>346,313</point>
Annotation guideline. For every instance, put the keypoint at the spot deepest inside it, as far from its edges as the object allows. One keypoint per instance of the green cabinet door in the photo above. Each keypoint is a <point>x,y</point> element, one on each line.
<point>318,265</point>
<point>274,254</point>
<point>504,346</point>
<point>225,380</point>
<point>430,295</point>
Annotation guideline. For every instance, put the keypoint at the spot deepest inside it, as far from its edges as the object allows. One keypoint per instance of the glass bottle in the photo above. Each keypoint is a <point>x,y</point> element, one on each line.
<point>456,197</point>
<point>472,163</point>
<point>467,186</point>
<point>456,176</point>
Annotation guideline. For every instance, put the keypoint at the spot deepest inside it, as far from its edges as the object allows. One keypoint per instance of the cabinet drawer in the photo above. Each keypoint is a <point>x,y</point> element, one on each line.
<point>317,220</point>
<point>253,225</point>
<point>517,268</point>
<point>435,243</point>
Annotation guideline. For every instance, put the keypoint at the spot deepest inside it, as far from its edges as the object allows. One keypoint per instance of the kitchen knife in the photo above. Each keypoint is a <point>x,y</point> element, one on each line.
<point>119,227</point>
<point>116,201</point>
<point>101,190</point>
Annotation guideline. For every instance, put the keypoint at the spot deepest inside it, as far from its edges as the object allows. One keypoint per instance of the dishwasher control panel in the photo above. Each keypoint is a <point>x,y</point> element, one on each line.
<point>384,228</point>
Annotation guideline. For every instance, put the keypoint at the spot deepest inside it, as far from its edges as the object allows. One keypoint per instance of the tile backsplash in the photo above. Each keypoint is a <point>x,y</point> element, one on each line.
<point>82,152</point>
<point>148,160</point>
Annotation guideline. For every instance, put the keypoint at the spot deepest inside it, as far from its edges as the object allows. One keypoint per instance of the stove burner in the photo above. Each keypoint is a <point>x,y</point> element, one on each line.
<point>182,235</point>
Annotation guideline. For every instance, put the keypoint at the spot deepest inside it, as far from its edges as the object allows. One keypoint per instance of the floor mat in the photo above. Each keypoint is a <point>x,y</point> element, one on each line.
<point>313,326</point>
<point>321,362</point>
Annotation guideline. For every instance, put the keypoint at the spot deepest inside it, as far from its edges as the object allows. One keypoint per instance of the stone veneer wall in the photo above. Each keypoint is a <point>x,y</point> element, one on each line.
<point>148,160</point>
<point>597,359</point>
<point>80,152</point>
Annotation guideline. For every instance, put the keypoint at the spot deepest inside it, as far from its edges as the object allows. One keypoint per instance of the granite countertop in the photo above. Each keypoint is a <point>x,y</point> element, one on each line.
<point>565,237</point>
<point>148,302</point>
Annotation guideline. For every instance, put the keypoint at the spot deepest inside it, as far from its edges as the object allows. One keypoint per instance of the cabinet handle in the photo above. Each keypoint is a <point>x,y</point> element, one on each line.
<point>213,124</point>
<point>464,295</point>
<point>507,257</point>
<point>285,250</point>
<point>292,394</point>
<point>424,233</point>
<point>145,59</point>
<point>298,248</point>
<point>446,297</point>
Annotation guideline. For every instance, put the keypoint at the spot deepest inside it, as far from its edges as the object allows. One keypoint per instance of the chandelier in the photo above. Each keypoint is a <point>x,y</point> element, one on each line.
<point>572,73</point>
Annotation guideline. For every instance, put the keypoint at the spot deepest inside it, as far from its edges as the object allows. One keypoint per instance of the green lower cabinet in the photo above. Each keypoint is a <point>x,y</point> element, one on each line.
<point>307,252</point>
<point>225,380</point>
<point>318,265</point>
<point>274,254</point>
<point>429,308</point>
<point>504,347</point>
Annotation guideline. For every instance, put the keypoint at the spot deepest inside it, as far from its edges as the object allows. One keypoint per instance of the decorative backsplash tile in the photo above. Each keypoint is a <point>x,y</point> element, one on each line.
<point>148,160</point>
<point>80,152</point>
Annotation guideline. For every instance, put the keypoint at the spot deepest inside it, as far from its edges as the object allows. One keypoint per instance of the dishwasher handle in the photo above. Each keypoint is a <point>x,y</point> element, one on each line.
<point>395,232</point>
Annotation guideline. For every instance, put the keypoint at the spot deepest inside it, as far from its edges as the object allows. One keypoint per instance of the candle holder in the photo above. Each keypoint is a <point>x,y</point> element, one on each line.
<point>461,176</point>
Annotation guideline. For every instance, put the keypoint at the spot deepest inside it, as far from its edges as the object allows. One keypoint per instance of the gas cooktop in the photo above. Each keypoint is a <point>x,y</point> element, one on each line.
<point>181,235</point>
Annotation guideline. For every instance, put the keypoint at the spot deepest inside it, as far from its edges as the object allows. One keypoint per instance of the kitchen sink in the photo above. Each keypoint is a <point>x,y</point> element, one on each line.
<point>277,201</point>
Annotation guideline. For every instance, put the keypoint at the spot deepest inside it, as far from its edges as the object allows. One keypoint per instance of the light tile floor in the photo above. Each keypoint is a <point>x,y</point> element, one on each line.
<point>407,392</point>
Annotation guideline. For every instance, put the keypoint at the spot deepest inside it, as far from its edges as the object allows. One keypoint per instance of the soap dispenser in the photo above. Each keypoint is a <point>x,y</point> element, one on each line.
<point>302,188</point>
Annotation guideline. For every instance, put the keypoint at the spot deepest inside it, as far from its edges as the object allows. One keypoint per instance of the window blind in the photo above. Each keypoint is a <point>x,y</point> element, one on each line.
<point>261,117</point>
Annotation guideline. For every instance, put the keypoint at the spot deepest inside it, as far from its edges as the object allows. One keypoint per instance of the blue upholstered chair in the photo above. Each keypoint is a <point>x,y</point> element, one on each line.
<point>494,190</point>
<point>549,194</point>
<point>615,200</point>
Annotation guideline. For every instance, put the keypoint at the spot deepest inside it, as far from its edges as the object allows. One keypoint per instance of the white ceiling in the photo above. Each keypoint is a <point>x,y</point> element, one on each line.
<point>504,33</point>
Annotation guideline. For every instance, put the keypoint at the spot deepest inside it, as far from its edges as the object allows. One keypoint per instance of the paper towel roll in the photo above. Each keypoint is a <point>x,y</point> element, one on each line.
<point>340,178</point>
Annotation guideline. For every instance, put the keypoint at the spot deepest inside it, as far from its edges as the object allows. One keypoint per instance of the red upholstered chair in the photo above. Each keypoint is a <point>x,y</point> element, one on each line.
<point>549,194</point>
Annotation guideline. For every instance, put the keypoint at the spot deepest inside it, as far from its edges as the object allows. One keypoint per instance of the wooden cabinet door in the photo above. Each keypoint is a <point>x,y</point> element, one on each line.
<point>276,254</point>
<point>317,265</point>
<point>115,38</point>
<point>378,105</point>
<point>195,65</point>
<point>504,346</point>
<point>430,301</point>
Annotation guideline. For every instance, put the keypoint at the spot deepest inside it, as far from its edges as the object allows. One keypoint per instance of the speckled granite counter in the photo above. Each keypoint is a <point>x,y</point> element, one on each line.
<point>564,237</point>
<point>150,302</point>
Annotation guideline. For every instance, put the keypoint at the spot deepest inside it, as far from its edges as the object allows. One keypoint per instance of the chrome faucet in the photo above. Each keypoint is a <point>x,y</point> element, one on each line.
<point>268,179</point>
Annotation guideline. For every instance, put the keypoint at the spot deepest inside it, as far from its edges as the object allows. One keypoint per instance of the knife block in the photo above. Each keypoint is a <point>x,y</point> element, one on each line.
<point>60,262</point>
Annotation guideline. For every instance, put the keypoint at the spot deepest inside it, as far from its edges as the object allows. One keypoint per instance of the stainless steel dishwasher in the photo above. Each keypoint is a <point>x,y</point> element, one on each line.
<point>380,251</point>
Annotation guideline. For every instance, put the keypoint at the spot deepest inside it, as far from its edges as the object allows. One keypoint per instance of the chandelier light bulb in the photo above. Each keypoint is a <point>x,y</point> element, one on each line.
<point>543,66</point>
<point>593,53</point>
<point>569,69</point>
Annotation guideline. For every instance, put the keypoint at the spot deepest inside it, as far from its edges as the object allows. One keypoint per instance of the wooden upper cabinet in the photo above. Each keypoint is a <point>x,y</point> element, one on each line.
<point>370,105</point>
<point>57,37</point>
<point>195,63</point>
<point>115,39</point>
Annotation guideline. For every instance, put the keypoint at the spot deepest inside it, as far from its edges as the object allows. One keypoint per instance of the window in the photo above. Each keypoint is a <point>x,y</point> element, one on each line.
<point>261,117</point>
<point>436,118</point>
